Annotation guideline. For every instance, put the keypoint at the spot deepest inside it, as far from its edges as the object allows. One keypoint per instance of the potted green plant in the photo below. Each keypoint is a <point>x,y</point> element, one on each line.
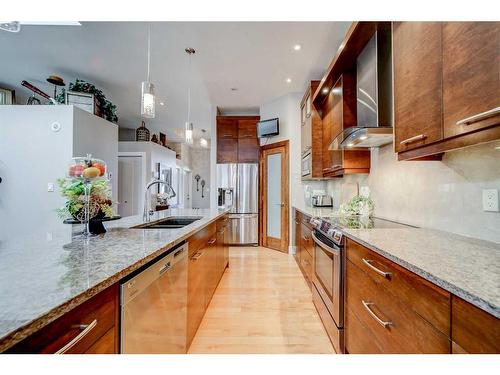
<point>108,109</point>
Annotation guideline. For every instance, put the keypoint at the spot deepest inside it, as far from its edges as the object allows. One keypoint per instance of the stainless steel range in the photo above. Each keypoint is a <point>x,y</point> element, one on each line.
<point>328,279</point>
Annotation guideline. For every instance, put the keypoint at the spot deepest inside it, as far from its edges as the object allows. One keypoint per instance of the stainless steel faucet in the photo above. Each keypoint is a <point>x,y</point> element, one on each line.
<point>147,209</point>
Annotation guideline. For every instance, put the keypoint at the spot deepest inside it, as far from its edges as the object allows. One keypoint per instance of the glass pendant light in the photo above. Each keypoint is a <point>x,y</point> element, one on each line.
<point>189,125</point>
<point>148,89</point>
<point>203,140</point>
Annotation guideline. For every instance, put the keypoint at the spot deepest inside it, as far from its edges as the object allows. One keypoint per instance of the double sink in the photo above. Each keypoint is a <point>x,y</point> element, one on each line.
<point>174,222</point>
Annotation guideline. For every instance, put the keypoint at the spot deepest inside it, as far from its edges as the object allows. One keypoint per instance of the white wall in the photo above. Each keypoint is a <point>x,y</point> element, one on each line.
<point>445,195</point>
<point>94,135</point>
<point>201,165</point>
<point>32,156</point>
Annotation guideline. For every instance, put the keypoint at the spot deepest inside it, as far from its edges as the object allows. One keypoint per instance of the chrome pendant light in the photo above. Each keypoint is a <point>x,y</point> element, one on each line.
<point>148,89</point>
<point>189,125</point>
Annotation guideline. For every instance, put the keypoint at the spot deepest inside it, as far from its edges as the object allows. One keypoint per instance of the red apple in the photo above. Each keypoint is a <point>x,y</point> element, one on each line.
<point>101,167</point>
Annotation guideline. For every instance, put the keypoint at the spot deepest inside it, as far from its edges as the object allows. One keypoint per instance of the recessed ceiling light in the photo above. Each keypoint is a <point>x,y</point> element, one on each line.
<point>162,103</point>
<point>350,144</point>
<point>363,137</point>
<point>288,80</point>
<point>297,47</point>
<point>497,148</point>
<point>325,90</point>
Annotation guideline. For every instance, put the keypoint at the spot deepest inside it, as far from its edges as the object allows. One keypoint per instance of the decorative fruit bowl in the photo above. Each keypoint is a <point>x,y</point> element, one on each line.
<point>86,168</point>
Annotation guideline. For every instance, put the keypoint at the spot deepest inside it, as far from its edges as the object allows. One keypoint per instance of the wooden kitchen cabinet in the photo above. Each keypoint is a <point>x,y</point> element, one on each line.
<point>227,150</point>
<point>417,67</point>
<point>471,76</point>
<point>237,140</point>
<point>311,132</point>
<point>92,326</point>
<point>338,113</point>
<point>473,330</point>
<point>446,86</point>
<point>304,246</point>
<point>392,310</point>
<point>222,245</point>
<point>200,278</point>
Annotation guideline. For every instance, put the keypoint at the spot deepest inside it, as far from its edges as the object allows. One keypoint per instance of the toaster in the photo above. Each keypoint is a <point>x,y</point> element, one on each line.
<point>322,201</point>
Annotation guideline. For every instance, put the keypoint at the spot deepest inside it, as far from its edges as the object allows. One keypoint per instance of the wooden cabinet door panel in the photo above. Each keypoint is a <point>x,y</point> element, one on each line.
<point>227,128</point>
<point>196,292</point>
<point>307,241</point>
<point>474,330</point>
<point>247,129</point>
<point>227,150</point>
<point>471,74</point>
<point>417,61</point>
<point>248,150</point>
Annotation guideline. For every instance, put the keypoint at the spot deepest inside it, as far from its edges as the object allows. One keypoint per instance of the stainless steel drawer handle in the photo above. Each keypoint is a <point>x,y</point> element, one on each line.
<point>305,238</point>
<point>368,262</point>
<point>86,329</point>
<point>416,138</point>
<point>212,241</point>
<point>479,116</point>
<point>374,316</point>
<point>165,268</point>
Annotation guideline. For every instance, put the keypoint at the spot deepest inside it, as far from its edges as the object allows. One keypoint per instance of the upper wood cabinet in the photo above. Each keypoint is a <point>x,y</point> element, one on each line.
<point>471,76</point>
<point>446,86</point>
<point>237,140</point>
<point>417,62</point>
<point>227,127</point>
<point>311,132</point>
<point>338,113</point>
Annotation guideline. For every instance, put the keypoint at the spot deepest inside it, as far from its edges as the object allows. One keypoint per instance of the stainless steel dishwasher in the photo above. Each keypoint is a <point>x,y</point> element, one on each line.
<point>154,306</point>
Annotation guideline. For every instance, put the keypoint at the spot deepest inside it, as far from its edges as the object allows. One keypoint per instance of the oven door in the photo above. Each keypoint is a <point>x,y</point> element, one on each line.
<point>327,276</point>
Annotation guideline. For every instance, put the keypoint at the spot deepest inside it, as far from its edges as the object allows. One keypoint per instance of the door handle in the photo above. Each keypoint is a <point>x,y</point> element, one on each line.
<point>479,116</point>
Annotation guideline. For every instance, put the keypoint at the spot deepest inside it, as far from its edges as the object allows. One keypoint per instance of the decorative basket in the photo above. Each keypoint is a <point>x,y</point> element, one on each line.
<point>142,133</point>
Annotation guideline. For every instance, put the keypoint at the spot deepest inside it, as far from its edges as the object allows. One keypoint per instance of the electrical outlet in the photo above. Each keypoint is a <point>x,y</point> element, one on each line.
<point>490,200</point>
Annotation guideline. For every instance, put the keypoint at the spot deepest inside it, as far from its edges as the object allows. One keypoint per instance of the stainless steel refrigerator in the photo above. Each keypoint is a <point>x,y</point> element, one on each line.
<point>238,190</point>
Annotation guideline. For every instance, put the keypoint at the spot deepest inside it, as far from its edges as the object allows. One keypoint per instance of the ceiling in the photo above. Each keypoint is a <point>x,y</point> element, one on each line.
<point>255,58</point>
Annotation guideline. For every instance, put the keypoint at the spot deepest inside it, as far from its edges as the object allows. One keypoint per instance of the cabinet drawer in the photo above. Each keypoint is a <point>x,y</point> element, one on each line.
<point>426,299</point>
<point>474,330</point>
<point>105,345</point>
<point>91,320</point>
<point>200,238</point>
<point>306,264</point>
<point>336,336</point>
<point>306,239</point>
<point>394,325</point>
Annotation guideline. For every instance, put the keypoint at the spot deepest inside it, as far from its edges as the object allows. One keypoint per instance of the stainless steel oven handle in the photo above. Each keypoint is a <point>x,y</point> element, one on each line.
<point>374,316</point>
<point>372,267</point>
<point>324,246</point>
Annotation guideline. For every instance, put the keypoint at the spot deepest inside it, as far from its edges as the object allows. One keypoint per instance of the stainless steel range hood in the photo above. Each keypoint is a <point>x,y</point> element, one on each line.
<point>373,97</point>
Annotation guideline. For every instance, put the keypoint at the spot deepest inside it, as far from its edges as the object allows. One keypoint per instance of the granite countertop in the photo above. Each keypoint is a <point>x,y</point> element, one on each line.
<point>466,267</point>
<point>45,273</point>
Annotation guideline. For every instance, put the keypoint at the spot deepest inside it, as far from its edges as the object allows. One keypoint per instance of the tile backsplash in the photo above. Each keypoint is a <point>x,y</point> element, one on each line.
<point>445,195</point>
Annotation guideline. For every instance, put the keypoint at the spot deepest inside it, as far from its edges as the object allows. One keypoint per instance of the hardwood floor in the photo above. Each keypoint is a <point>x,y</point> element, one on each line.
<point>262,305</point>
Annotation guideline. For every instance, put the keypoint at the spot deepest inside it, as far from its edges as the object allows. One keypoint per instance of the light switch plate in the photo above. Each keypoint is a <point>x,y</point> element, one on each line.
<point>50,187</point>
<point>490,200</point>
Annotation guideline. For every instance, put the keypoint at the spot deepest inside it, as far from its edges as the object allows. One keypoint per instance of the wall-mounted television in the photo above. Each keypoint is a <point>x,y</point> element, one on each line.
<point>268,128</point>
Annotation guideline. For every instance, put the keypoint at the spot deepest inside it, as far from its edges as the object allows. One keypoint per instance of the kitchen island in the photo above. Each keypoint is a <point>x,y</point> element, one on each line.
<point>51,271</point>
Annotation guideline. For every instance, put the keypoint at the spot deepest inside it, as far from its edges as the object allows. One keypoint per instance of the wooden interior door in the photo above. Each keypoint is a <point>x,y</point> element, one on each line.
<point>275,196</point>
